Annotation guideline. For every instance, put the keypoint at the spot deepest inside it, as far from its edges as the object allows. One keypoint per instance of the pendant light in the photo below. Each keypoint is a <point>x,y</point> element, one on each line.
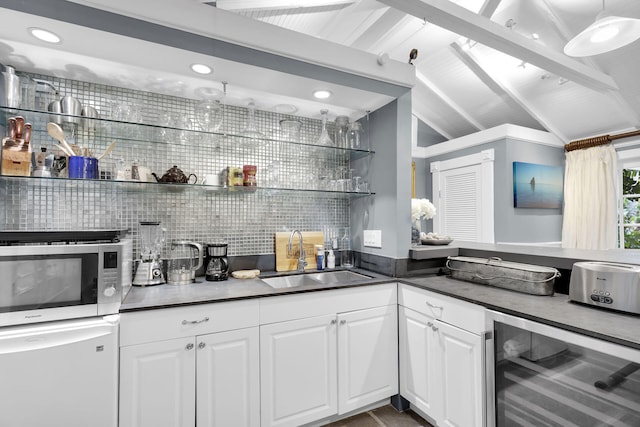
<point>607,33</point>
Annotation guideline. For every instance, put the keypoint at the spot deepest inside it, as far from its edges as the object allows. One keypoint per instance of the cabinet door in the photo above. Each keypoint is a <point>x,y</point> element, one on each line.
<point>420,379</point>
<point>367,357</point>
<point>157,384</point>
<point>462,367</point>
<point>228,384</point>
<point>298,371</point>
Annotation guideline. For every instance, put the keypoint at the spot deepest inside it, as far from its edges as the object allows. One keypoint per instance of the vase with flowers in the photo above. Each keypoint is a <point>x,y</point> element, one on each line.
<point>420,209</point>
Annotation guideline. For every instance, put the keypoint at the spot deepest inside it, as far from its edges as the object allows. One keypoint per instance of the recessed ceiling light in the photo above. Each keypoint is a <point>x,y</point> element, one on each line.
<point>322,94</point>
<point>44,35</point>
<point>201,69</point>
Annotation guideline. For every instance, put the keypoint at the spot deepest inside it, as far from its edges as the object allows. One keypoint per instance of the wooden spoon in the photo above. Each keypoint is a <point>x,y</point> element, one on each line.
<point>108,150</point>
<point>56,132</point>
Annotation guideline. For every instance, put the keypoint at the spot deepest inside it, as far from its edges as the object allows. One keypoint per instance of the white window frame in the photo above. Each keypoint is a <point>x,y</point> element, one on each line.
<point>628,159</point>
<point>486,160</point>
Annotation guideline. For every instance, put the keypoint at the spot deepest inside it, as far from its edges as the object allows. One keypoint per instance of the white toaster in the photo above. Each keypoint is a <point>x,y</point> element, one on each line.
<point>605,284</point>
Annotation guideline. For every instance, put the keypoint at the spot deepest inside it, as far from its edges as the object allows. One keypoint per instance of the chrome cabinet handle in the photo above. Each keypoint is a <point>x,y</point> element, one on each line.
<point>342,322</point>
<point>189,346</point>
<point>194,322</point>
<point>201,345</point>
<point>334,321</point>
<point>434,328</point>
<point>429,324</point>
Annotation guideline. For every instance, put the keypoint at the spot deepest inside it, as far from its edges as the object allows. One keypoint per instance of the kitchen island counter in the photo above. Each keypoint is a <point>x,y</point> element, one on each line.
<point>550,256</point>
<point>556,310</point>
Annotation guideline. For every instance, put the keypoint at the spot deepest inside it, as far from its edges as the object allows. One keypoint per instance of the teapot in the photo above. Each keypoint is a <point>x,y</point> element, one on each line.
<point>175,175</point>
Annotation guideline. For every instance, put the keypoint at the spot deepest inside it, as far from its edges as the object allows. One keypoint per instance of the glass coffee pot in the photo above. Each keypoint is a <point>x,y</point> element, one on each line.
<point>185,260</point>
<point>218,265</point>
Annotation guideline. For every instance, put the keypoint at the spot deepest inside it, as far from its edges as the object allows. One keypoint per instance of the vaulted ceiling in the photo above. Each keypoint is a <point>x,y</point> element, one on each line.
<point>482,63</point>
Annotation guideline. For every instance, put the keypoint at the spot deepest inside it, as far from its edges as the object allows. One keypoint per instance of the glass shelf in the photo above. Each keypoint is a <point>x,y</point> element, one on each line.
<point>153,133</point>
<point>136,186</point>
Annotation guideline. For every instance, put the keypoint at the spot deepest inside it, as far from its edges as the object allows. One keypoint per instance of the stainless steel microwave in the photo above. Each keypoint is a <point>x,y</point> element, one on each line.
<point>55,280</point>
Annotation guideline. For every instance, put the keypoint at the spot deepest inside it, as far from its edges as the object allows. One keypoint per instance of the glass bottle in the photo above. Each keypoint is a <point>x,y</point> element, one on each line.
<point>354,136</point>
<point>345,249</point>
<point>342,126</point>
<point>324,139</point>
<point>251,129</point>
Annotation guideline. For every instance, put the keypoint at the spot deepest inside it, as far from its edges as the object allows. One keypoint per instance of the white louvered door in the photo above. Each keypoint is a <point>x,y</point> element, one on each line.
<point>460,203</point>
<point>463,196</point>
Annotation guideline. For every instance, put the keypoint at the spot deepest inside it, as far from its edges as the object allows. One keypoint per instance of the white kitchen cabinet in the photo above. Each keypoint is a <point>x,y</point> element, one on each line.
<point>206,376</point>
<point>420,381</point>
<point>298,363</point>
<point>228,392</point>
<point>367,357</point>
<point>441,364</point>
<point>158,384</point>
<point>332,363</point>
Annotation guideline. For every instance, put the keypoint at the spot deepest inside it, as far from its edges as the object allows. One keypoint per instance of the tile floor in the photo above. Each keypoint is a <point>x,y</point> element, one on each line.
<point>384,416</point>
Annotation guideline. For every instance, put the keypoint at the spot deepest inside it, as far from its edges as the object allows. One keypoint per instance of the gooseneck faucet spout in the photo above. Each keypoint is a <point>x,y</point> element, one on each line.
<point>302,262</point>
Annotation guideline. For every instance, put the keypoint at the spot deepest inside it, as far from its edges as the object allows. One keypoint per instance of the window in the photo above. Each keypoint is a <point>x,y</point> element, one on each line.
<point>629,217</point>
<point>629,204</point>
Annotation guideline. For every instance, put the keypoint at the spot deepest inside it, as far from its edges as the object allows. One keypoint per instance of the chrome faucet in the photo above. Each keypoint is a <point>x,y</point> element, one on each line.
<point>302,262</point>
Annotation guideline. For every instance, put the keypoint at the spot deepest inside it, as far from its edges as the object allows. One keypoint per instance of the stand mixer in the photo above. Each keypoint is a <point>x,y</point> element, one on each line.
<point>149,270</point>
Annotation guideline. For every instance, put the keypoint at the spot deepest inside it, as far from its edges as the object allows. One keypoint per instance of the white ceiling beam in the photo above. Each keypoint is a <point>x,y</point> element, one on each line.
<point>489,7</point>
<point>422,79</point>
<point>341,28</point>
<point>469,58</point>
<point>275,4</point>
<point>417,109</point>
<point>459,20</point>
<point>379,29</point>
<point>480,72</point>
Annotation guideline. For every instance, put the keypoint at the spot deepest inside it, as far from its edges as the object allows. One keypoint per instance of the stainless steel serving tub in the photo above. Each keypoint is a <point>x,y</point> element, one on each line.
<point>526,278</point>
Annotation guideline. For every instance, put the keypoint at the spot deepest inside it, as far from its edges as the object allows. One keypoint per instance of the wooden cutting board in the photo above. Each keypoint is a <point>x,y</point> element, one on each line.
<point>288,261</point>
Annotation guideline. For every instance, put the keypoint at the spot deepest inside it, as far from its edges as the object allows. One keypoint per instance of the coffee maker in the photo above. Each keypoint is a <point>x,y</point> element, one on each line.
<point>149,269</point>
<point>217,264</point>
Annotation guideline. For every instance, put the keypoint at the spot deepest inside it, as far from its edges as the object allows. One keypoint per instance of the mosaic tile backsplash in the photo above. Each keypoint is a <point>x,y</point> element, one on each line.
<point>165,131</point>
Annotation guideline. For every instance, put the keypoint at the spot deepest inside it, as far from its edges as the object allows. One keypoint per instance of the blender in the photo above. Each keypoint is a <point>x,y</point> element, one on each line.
<point>149,270</point>
<point>218,266</point>
<point>185,260</point>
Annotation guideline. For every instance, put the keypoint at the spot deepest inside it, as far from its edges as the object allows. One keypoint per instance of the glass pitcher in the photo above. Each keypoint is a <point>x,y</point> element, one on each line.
<point>152,237</point>
<point>185,260</point>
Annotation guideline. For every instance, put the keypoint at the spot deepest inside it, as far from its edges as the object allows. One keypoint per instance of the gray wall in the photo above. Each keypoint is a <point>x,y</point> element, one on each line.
<point>390,177</point>
<point>427,136</point>
<point>511,224</point>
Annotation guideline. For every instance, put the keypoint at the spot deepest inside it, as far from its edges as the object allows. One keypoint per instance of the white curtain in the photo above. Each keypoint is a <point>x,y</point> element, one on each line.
<point>590,199</point>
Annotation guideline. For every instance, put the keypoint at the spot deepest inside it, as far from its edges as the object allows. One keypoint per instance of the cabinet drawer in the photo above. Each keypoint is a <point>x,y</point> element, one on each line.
<point>168,323</point>
<point>311,304</point>
<point>446,309</point>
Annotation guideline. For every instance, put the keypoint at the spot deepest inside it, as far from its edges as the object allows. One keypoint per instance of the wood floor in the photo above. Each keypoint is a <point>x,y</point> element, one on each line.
<point>385,416</point>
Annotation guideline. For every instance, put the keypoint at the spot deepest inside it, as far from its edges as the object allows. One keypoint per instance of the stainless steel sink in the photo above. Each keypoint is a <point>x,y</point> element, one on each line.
<point>338,277</point>
<point>315,279</point>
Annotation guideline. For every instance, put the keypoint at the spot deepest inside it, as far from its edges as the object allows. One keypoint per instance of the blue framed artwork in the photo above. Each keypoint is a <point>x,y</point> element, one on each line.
<point>537,186</point>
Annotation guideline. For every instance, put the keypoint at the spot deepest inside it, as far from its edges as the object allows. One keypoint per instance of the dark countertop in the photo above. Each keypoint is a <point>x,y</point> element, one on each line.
<point>201,292</point>
<point>556,310</point>
<point>549,256</point>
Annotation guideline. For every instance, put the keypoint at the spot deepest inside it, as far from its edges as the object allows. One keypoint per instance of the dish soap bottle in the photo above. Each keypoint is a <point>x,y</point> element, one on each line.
<point>320,257</point>
<point>331,259</point>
